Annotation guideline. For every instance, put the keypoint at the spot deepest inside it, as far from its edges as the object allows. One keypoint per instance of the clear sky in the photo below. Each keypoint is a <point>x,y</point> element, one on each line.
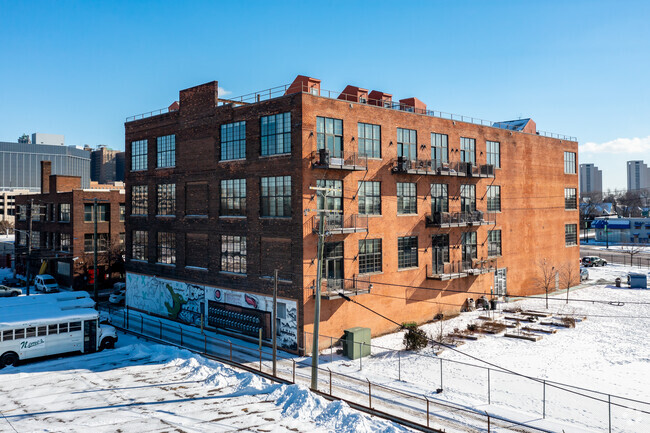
<point>579,68</point>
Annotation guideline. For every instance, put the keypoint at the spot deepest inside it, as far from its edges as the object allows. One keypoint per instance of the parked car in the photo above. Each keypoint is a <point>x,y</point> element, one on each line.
<point>593,261</point>
<point>119,293</point>
<point>13,282</point>
<point>6,292</point>
<point>584,274</point>
<point>46,284</point>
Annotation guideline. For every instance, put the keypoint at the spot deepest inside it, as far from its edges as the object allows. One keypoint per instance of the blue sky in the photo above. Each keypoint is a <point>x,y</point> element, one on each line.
<point>579,68</point>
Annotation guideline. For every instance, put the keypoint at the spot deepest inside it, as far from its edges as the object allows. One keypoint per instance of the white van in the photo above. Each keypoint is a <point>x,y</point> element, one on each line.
<point>46,284</point>
<point>42,325</point>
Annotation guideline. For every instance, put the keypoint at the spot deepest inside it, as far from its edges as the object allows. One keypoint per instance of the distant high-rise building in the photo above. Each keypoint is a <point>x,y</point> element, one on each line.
<point>638,175</point>
<point>107,165</point>
<point>591,180</point>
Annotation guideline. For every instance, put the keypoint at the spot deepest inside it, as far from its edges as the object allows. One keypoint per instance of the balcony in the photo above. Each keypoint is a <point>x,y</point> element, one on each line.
<point>460,219</point>
<point>332,288</point>
<point>460,269</point>
<point>351,161</point>
<point>435,167</point>
<point>338,224</point>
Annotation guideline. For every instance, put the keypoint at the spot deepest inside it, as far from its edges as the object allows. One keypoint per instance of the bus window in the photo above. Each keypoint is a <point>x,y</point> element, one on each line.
<point>31,332</point>
<point>75,326</point>
<point>63,327</point>
<point>8,335</point>
<point>53,329</point>
<point>20,333</point>
<point>42,330</point>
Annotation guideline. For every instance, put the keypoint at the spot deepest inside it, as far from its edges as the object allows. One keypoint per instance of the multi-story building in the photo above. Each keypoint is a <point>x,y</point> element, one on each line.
<point>62,228</point>
<point>591,182</point>
<point>8,203</point>
<point>638,176</point>
<point>107,165</point>
<point>424,209</point>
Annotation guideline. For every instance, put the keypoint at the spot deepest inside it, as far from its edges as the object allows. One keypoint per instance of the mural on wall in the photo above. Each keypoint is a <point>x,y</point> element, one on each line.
<point>182,301</point>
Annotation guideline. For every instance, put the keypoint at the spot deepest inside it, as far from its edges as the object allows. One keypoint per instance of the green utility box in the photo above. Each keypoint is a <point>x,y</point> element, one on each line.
<point>357,342</point>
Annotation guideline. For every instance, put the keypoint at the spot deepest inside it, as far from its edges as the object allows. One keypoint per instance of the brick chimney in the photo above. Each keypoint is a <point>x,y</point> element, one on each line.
<point>46,172</point>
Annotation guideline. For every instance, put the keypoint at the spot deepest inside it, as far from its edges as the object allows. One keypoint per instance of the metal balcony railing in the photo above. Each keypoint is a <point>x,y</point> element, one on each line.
<point>342,160</point>
<point>432,167</point>
<point>460,219</point>
<point>460,269</point>
<point>342,224</point>
<point>332,288</point>
<point>480,170</point>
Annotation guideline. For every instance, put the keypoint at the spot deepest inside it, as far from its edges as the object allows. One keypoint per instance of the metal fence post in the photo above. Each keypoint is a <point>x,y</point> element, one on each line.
<point>544,401</point>
<point>440,373</point>
<point>330,380</point>
<point>294,371</point>
<point>609,407</point>
<point>331,350</point>
<point>489,399</point>
<point>260,359</point>
<point>369,395</point>
<point>425,397</point>
<point>399,366</point>
<point>488,420</point>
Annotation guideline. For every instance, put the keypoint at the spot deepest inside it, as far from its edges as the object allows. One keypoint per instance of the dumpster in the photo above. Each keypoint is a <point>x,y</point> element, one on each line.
<point>357,342</point>
<point>637,281</point>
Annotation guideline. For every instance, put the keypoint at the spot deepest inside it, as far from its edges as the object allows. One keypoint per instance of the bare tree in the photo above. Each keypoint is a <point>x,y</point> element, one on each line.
<point>6,227</point>
<point>546,277</point>
<point>570,276</point>
<point>632,250</point>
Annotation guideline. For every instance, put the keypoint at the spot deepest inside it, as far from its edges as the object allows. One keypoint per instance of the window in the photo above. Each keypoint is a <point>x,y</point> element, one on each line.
<point>122,212</point>
<point>166,248</point>
<point>494,198</point>
<point>407,143</point>
<point>369,256</point>
<point>166,155</point>
<point>64,213</point>
<point>571,234</point>
<point>369,140</point>
<point>440,253</point>
<point>31,332</point>
<point>20,333</point>
<point>369,198</point>
<point>22,212</point>
<point>21,238</point>
<point>8,335</point>
<point>139,155</point>
<point>166,197</point>
<point>407,252</point>
<point>276,196</point>
<point>468,198</point>
<point>36,239</point>
<point>406,198</point>
<point>570,198</point>
<point>139,200</point>
<point>439,198</point>
<point>569,163</point>
<point>75,326</point>
<point>334,198</point>
<point>494,243</point>
<point>233,141</point>
<point>233,197</point>
<point>493,153</point>
<point>468,150</point>
<point>52,329</point>
<point>276,134</point>
<point>102,242</point>
<point>66,241</point>
<point>468,241</point>
<point>36,212</point>
<point>140,243</point>
<point>233,254</point>
<point>439,148</point>
<point>103,213</point>
<point>329,135</point>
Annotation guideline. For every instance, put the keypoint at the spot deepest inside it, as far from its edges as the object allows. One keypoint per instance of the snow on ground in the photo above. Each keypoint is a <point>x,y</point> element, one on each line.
<point>145,387</point>
<point>642,248</point>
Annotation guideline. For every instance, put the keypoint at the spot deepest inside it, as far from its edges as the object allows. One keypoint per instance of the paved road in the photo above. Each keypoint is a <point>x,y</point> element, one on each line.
<point>614,256</point>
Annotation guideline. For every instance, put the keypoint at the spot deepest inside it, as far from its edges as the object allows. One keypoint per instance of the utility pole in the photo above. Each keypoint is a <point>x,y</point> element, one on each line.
<point>95,200</point>
<point>275,322</point>
<point>29,244</point>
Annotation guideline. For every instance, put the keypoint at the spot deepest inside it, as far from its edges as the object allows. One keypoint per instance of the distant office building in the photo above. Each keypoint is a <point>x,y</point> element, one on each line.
<point>638,175</point>
<point>54,139</point>
<point>20,163</point>
<point>106,165</point>
<point>8,203</point>
<point>591,180</point>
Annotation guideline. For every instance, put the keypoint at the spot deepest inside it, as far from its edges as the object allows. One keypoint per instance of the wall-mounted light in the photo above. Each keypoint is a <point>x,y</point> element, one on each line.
<point>391,143</point>
<point>311,133</point>
<point>352,138</point>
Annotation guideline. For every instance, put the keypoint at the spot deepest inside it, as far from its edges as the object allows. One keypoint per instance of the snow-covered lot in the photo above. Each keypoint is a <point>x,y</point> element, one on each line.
<point>145,387</point>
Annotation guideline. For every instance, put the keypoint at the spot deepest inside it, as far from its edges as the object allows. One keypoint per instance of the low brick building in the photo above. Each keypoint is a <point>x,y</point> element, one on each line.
<point>433,209</point>
<point>63,229</point>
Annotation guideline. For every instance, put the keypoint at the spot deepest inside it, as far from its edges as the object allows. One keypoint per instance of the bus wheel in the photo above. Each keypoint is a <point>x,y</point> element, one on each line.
<point>107,343</point>
<point>9,358</point>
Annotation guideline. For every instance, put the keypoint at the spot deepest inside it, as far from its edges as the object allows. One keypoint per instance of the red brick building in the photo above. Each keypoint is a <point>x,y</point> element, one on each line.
<point>434,208</point>
<point>63,229</point>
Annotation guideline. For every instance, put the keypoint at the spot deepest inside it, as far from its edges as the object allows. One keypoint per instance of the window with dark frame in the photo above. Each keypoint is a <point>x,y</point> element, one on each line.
<point>439,198</point>
<point>233,197</point>
<point>370,256</point>
<point>468,198</point>
<point>334,197</point>
<point>468,150</point>
<point>276,196</point>
<point>406,198</point>
<point>276,134</point>
<point>233,254</point>
<point>166,199</point>
<point>407,143</point>
<point>469,246</point>
<point>139,200</point>
<point>571,234</point>
<point>570,199</point>
<point>407,252</point>
<point>369,136</point>
<point>494,198</point>
<point>65,241</point>
<point>493,153</point>
<point>140,243</point>
<point>369,198</point>
<point>102,242</point>
<point>64,213</point>
<point>569,163</point>
<point>494,243</point>
<point>166,151</point>
<point>439,148</point>
<point>329,135</point>
<point>103,212</point>
<point>440,244</point>
<point>233,141</point>
<point>122,212</point>
<point>139,155</point>
<point>166,248</point>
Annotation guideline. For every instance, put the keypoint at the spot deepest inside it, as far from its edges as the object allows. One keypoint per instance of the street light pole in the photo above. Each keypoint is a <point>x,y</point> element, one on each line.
<point>95,250</point>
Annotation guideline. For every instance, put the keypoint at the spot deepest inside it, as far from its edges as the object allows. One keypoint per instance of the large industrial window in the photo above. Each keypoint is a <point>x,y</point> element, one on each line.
<point>140,241</point>
<point>122,212</point>
<point>493,153</point>
<point>89,242</point>
<point>66,241</point>
<point>468,198</point>
<point>233,141</point>
<point>166,155</point>
<point>276,134</point>
<point>369,256</point>
<point>570,199</point>
<point>64,213</point>
<point>407,143</point>
<point>36,239</point>
<point>233,254</point>
<point>166,199</point>
<point>369,140</point>
<point>406,198</point>
<point>370,198</point>
<point>494,243</point>
<point>494,198</point>
<point>139,200</point>
<point>439,198</point>
<point>439,148</point>
<point>469,246</point>
<point>407,252</point>
<point>329,135</point>
<point>233,197</point>
<point>569,163</point>
<point>139,155</point>
<point>334,197</point>
<point>103,212</point>
<point>571,234</point>
<point>276,196</point>
<point>468,150</point>
<point>166,248</point>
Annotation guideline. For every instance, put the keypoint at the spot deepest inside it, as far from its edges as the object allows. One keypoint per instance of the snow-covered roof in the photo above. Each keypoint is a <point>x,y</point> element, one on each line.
<point>33,310</point>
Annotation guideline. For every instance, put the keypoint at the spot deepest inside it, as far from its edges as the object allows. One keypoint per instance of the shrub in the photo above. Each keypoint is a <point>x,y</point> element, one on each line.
<point>472,327</point>
<point>414,338</point>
